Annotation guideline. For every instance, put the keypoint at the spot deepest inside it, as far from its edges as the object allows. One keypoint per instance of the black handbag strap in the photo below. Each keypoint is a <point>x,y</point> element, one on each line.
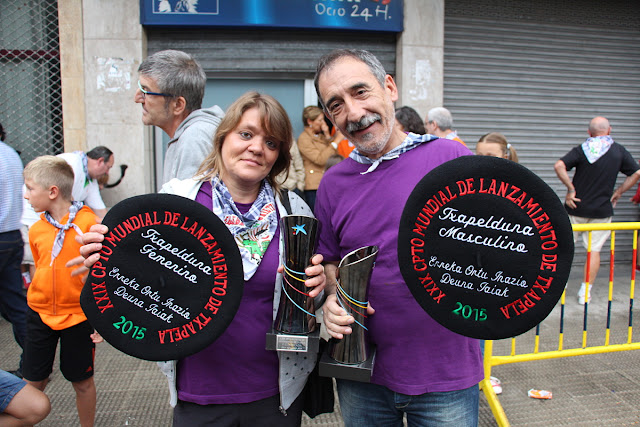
<point>284,197</point>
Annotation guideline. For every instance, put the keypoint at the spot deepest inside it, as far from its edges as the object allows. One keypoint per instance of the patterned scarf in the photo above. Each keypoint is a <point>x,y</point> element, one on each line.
<point>253,230</point>
<point>410,142</point>
<point>596,147</point>
<point>59,240</point>
<point>85,166</point>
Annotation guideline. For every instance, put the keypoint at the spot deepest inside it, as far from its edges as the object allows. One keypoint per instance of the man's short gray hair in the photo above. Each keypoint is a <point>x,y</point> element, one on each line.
<point>176,73</point>
<point>441,116</point>
<point>365,56</point>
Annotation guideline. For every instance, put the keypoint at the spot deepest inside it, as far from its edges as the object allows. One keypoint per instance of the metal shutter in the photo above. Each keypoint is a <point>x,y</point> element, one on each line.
<point>539,72</point>
<point>258,51</point>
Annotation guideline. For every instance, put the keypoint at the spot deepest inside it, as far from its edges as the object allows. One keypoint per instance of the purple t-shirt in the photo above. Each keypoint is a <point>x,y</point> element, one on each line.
<point>236,368</point>
<point>415,355</point>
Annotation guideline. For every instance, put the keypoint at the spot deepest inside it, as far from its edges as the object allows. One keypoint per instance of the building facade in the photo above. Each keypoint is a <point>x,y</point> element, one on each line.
<point>535,71</point>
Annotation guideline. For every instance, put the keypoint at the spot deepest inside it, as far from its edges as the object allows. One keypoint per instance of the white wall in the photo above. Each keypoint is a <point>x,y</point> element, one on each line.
<point>112,43</point>
<point>113,46</point>
<point>420,56</point>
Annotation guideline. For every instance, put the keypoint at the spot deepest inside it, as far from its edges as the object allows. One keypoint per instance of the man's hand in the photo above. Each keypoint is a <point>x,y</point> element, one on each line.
<point>614,198</point>
<point>336,318</point>
<point>571,200</point>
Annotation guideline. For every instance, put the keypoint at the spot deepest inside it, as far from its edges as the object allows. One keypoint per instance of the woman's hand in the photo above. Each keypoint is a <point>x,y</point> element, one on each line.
<point>325,129</point>
<point>95,234</point>
<point>96,338</point>
<point>317,279</point>
<point>91,244</point>
<point>338,136</point>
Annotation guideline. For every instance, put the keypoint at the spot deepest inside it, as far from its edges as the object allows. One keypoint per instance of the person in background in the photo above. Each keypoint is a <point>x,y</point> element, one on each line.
<point>590,195</point>
<point>495,144</point>
<point>408,120</point>
<point>293,178</point>
<point>440,123</point>
<point>316,145</point>
<point>360,202</point>
<point>87,169</point>
<point>170,91</point>
<point>345,147</point>
<point>103,180</point>
<point>332,161</point>
<point>636,200</point>
<point>54,294</point>
<point>238,181</point>
<point>13,304</point>
<point>21,404</point>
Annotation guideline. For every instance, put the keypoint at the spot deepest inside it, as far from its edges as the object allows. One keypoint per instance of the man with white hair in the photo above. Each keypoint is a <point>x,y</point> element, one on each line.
<point>439,123</point>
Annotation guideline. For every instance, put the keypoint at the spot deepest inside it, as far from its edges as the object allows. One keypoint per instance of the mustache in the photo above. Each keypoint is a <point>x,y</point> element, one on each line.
<point>363,123</point>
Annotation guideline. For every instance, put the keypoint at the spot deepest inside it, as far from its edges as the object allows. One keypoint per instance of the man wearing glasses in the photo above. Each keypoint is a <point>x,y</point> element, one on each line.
<point>170,90</point>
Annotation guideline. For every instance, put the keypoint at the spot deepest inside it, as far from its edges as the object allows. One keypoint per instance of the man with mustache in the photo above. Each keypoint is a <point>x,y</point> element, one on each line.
<point>422,369</point>
<point>170,89</point>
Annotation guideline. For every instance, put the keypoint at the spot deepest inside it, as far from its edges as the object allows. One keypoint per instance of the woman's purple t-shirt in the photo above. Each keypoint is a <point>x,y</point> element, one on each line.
<point>236,368</point>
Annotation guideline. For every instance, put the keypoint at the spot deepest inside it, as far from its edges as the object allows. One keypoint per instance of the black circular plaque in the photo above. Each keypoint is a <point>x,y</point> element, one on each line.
<point>485,247</point>
<point>169,279</point>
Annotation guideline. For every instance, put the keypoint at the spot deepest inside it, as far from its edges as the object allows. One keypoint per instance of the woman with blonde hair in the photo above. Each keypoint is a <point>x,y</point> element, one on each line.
<point>316,145</point>
<point>495,144</point>
<point>235,381</point>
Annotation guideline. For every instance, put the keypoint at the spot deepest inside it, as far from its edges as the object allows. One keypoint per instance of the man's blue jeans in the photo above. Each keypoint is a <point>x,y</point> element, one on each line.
<point>13,304</point>
<point>366,405</point>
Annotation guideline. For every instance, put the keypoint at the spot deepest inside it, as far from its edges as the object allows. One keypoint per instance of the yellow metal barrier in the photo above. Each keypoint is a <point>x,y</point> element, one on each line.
<point>491,360</point>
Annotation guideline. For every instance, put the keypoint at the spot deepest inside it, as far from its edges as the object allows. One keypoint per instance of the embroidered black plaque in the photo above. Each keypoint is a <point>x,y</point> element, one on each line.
<point>169,279</point>
<point>485,247</point>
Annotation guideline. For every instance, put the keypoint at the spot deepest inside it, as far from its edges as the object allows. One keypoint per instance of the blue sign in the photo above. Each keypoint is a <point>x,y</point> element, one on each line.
<point>368,15</point>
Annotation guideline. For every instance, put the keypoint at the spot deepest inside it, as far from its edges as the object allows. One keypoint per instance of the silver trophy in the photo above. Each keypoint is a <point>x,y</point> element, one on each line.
<point>295,318</point>
<point>354,273</point>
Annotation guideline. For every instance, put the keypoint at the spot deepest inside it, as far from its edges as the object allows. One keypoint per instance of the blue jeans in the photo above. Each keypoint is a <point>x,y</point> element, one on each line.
<point>10,385</point>
<point>13,303</point>
<point>366,405</point>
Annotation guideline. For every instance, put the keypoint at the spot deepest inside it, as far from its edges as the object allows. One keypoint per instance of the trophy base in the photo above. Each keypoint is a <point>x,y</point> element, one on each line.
<point>328,367</point>
<point>307,343</point>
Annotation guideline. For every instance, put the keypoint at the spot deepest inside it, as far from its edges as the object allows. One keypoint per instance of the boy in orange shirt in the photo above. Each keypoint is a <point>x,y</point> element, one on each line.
<point>54,295</point>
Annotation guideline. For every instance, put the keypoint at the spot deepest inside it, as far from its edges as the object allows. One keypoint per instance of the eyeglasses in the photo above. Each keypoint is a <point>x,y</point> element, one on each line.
<point>146,92</point>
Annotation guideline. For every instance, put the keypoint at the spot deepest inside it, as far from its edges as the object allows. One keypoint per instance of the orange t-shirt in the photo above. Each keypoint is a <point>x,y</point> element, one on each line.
<point>345,148</point>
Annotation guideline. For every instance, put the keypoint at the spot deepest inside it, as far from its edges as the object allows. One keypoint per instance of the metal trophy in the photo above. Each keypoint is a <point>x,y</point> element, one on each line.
<point>351,357</point>
<point>295,327</point>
